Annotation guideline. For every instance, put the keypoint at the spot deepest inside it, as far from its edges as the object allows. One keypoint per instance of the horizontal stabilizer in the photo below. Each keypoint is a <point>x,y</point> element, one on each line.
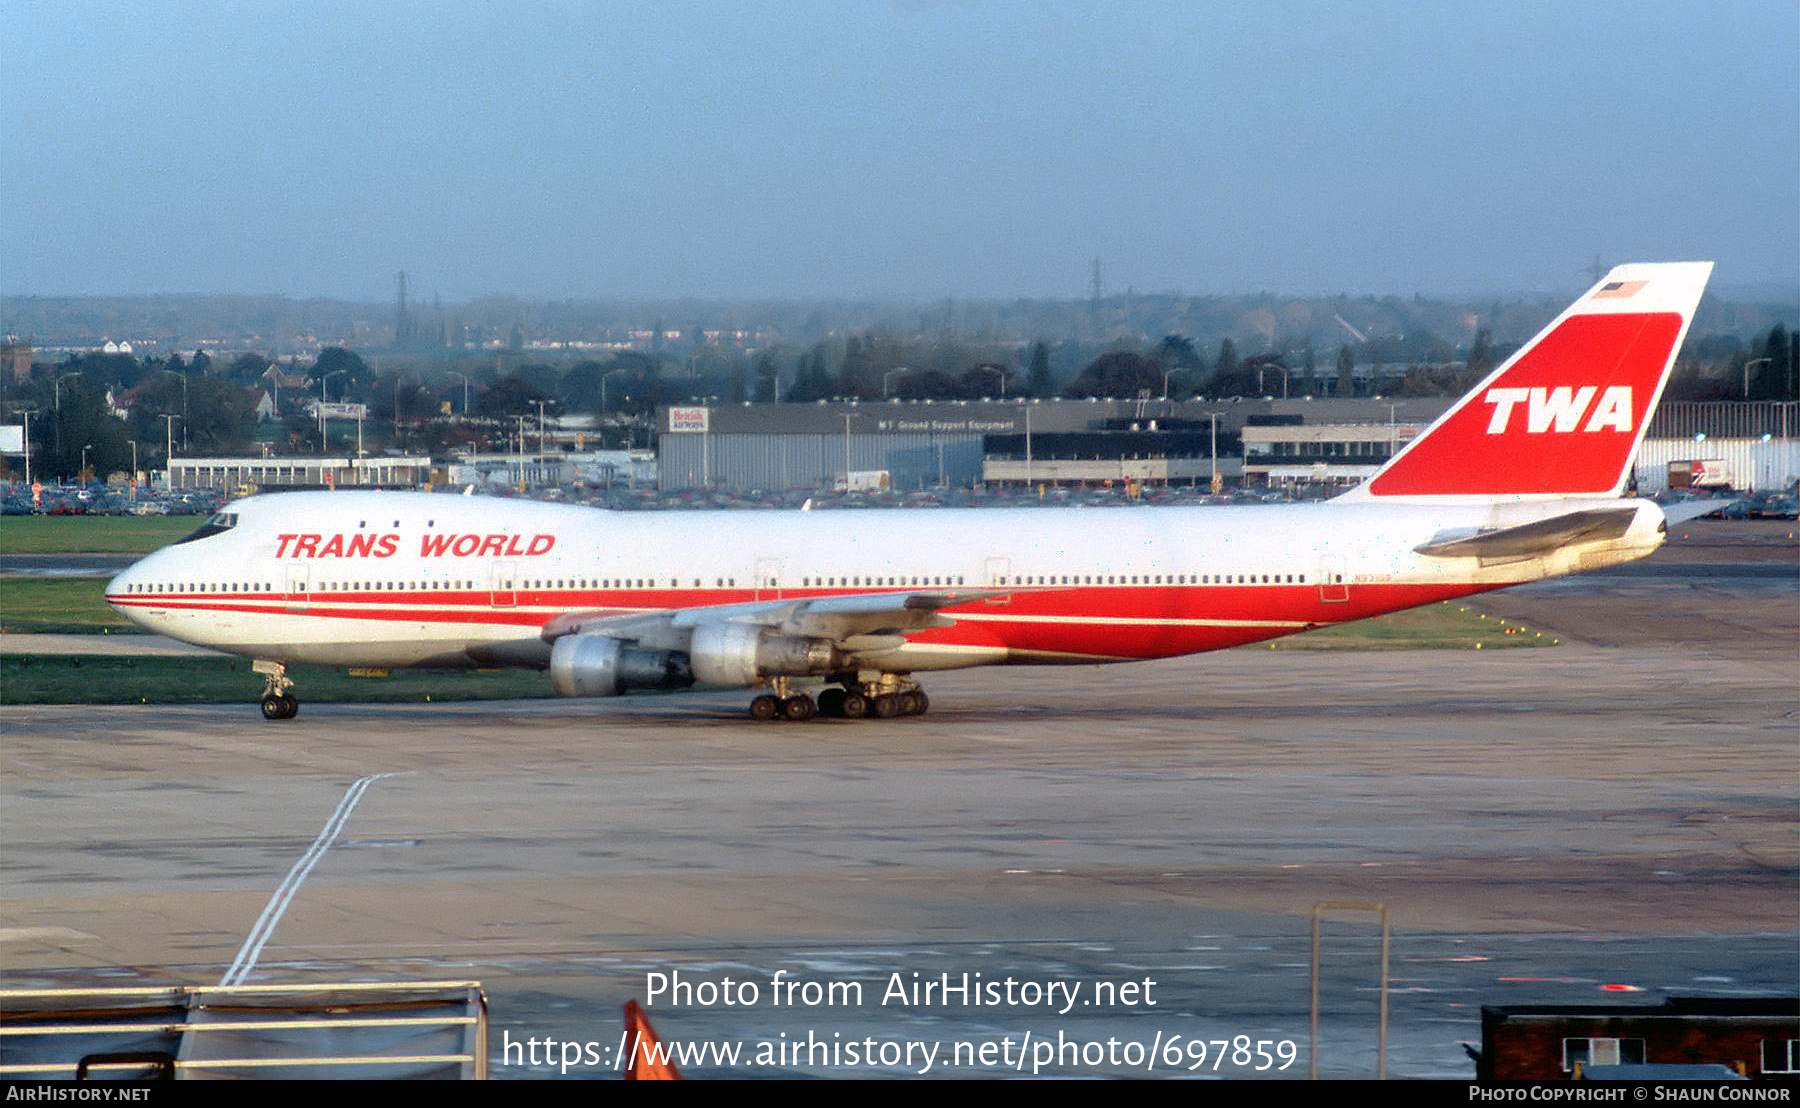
<point>1531,539</point>
<point>1683,510</point>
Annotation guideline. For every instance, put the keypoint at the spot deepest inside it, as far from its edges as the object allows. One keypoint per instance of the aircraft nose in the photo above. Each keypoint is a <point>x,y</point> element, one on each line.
<point>121,584</point>
<point>127,584</point>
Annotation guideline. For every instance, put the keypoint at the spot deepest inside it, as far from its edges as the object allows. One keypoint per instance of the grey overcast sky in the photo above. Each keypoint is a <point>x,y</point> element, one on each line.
<point>890,149</point>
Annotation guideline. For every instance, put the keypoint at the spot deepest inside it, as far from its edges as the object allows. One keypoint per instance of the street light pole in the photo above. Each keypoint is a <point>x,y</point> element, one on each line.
<point>26,414</point>
<point>168,457</point>
<point>59,381</point>
<point>605,408</point>
<point>540,451</point>
<point>1214,417</point>
<point>1747,365</point>
<point>1030,469</point>
<point>57,405</point>
<point>182,377</point>
<point>322,382</point>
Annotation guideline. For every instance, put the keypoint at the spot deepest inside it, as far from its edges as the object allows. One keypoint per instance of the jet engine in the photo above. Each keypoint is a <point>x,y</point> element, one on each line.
<point>742,654</point>
<point>729,654</point>
<point>595,665</point>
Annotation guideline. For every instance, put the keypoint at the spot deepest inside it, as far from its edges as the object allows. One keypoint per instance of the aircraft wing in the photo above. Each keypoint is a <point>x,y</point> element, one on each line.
<point>837,618</point>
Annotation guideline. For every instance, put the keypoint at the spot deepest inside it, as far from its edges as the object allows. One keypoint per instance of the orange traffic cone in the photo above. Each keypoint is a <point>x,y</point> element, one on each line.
<point>646,1058</point>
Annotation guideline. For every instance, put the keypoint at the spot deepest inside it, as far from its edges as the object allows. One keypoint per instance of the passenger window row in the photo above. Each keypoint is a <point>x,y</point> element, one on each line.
<point>854,581</point>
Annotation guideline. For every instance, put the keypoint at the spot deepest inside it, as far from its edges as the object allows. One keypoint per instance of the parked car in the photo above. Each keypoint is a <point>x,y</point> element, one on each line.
<point>1778,507</point>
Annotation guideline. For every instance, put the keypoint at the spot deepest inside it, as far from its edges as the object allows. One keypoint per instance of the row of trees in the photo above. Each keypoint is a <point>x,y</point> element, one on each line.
<point>199,406</point>
<point>76,428</point>
<point>1722,367</point>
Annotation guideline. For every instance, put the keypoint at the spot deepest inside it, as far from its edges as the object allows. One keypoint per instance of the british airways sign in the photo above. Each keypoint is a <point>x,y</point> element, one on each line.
<point>690,420</point>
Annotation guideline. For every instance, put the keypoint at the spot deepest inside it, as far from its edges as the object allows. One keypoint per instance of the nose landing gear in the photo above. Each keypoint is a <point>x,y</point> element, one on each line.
<point>277,701</point>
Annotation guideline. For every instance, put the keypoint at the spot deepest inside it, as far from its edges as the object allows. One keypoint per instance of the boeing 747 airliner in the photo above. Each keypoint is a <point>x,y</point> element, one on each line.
<point>1520,480</point>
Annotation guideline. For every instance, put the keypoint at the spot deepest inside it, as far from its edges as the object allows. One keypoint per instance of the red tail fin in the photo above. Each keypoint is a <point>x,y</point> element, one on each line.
<point>1565,415</point>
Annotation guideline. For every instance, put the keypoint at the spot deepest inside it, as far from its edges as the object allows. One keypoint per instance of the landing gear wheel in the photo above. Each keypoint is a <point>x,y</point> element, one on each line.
<point>277,702</point>
<point>855,705</point>
<point>831,702</point>
<point>911,703</point>
<point>765,707</point>
<point>799,707</point>
<point>887,706</point>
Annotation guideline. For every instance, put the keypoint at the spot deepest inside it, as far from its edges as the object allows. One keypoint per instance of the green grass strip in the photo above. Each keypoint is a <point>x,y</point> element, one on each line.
<point>58,605</point>
<point>110,679</point>
<point>1445,626</point>
<point>92,534</point>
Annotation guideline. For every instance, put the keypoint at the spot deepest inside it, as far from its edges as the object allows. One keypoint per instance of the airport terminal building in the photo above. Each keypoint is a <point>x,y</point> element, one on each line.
<point>1282,455</point>
<point>909,445</point>
<point>923,444</point>
<point>1746,445</point>
<point>238,476</point>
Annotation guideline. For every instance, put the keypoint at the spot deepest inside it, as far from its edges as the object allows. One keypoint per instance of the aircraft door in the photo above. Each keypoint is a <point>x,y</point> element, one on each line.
<point>1334,583</point>
<point>299,585</point>
<point>998,571</point>
<point>503,587</point>
<point>768,578</point>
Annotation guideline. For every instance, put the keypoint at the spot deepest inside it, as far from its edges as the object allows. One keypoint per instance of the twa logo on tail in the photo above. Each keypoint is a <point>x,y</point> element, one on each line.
<point>1560,409</point>
<point>1564,416</point>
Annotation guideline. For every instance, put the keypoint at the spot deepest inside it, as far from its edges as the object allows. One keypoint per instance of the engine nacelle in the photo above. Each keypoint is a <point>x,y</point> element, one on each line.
<point>742,654</point>
<point>594,665</point>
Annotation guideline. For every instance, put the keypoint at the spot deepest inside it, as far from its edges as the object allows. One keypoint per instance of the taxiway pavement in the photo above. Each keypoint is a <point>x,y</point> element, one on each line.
<point>1555,825</point>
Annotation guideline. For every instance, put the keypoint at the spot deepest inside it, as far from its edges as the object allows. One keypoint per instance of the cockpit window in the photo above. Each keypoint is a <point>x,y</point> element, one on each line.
<point>220,522</point>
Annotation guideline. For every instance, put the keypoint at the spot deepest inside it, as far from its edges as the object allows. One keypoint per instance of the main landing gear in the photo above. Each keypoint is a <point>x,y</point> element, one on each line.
<point>277,701</point>
<point>886,697</point>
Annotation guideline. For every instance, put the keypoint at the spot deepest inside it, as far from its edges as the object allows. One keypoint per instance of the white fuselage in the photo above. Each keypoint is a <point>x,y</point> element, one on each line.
<point>381,579</point>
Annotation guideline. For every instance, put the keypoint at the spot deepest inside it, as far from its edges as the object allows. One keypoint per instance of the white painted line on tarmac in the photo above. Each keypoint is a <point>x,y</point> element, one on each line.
<point>284,893</point>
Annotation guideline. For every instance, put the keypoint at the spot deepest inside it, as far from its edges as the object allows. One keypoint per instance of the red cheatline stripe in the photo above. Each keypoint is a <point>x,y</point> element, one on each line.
<point>1027,613</point>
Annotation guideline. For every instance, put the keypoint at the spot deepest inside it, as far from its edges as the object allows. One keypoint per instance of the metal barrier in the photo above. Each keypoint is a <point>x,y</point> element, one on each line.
<point>1318,915</point>
<point>431,1029</point>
